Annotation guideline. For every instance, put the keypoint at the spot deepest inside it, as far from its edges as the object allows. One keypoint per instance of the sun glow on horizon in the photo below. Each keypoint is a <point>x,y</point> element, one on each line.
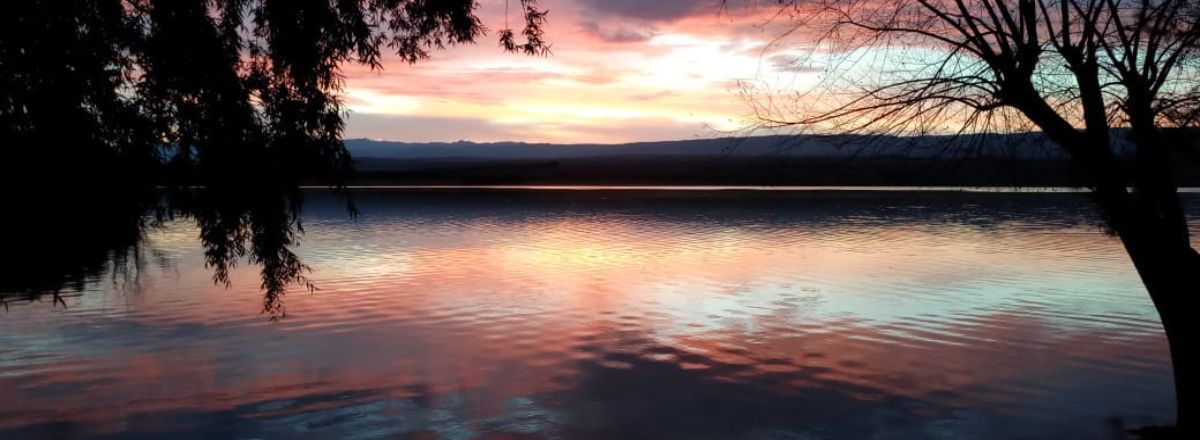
<point>616,75</point>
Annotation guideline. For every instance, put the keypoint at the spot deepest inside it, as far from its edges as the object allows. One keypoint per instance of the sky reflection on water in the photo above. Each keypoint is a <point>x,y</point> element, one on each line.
<point>530,314</point>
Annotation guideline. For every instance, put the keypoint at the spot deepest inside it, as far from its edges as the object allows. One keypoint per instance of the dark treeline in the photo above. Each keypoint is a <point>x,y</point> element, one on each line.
<point>991,159</point>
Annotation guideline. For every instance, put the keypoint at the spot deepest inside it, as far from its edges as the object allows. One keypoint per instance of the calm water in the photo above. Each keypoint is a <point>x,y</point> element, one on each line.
<point>566,314</point>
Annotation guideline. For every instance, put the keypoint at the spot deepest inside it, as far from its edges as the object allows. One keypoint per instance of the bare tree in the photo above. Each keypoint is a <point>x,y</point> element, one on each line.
<point>1087,74</point>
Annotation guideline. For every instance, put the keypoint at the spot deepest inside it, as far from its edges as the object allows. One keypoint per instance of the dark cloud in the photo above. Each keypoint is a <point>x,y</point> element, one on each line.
<point>620,34</point>
<point>792,63</point>
<point>651,10</point>
<point>426,128</point>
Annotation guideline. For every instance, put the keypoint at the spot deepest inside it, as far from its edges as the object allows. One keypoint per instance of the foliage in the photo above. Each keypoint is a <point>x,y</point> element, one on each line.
<point>238,100</point>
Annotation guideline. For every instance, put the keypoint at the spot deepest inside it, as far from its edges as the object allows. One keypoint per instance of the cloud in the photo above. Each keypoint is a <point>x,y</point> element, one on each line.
<point>619,35</point>
<point>621,71</point>
<point>792,63</point>
<point>454,82</point>
<point>425,128</point>
<point>650,10</point>
<point>482,129</point>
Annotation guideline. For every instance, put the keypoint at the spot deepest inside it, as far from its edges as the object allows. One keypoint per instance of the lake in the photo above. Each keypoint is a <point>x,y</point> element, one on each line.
<point>507,313</point>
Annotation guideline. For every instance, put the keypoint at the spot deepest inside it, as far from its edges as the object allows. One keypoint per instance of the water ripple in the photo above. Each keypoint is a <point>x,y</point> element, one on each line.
<point>588,315</point>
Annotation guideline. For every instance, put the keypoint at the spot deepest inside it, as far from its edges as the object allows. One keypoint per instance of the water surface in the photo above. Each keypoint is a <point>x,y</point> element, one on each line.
<point>615,314</point>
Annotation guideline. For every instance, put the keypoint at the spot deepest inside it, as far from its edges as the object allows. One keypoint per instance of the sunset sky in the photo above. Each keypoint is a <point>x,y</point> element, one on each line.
<point>621,70</point>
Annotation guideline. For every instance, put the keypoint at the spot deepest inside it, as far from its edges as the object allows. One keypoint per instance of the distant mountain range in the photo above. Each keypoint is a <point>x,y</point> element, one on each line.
<point>1023,146</point>
<point>1022,159</point>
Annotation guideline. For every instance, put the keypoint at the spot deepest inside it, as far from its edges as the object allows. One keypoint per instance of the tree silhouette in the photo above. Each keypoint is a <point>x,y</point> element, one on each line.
<point>1088,74</point>
<point>232,104</point>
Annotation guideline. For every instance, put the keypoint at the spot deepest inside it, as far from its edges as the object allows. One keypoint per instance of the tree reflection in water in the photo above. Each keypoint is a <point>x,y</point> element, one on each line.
<point>56,248</point>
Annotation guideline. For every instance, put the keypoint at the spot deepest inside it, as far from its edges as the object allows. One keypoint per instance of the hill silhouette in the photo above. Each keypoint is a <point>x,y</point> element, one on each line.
<point>1019,159</point>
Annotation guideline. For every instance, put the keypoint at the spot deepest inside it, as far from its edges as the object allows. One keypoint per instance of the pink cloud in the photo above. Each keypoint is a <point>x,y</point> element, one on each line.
<point>615,65</point>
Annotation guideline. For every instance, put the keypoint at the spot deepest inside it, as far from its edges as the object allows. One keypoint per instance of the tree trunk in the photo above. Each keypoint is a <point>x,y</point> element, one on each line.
<point>1159,243</point>
<point>1172,283</point>
<point>1150,222</point>
<point>1170,270</point>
